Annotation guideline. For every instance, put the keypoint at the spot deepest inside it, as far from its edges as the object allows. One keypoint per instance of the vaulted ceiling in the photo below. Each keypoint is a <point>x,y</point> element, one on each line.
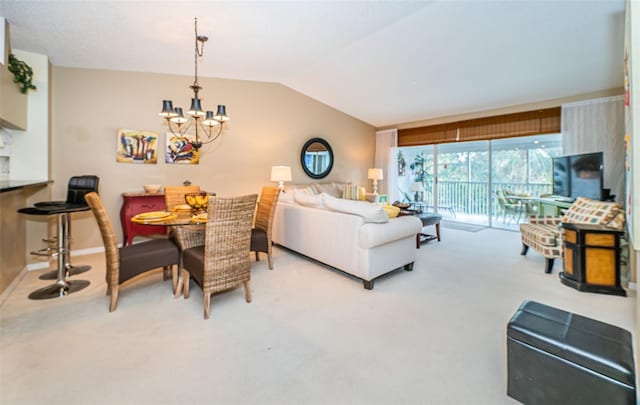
<point>382,62</point>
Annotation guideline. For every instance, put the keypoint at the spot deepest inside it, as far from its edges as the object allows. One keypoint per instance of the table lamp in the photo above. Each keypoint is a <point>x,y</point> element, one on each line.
<point>280,174</point>
<point>375,175</point>
<point>418,189</point>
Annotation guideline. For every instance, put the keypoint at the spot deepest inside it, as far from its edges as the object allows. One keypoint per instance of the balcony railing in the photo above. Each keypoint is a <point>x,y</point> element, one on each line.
<point>469,201</point>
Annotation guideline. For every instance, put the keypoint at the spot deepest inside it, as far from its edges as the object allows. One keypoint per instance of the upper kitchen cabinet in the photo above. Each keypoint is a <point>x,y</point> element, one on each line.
<point>13,104</point>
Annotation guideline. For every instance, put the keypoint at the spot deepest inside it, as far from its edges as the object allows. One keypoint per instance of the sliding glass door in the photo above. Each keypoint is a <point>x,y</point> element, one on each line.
<point>463,181</point>
<point>492,183</point>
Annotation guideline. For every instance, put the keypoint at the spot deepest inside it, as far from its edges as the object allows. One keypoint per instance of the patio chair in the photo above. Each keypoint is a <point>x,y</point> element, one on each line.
<point>507,207</point>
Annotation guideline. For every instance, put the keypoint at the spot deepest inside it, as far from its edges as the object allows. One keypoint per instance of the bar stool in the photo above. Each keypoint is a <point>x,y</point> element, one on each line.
<point>63,286</point>
<point>77,188</point>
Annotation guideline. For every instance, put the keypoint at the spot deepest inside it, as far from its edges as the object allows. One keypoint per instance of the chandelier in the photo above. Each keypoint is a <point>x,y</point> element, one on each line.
<point>204,123</point>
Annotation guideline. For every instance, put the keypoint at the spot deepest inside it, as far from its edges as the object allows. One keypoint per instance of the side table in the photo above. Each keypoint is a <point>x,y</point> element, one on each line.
<point>136,203</point>
<point>592,258</point>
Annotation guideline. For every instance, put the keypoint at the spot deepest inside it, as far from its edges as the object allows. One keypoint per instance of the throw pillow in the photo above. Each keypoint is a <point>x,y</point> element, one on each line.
<point>332,188</point>
<point>587,211</point>
<point>391,211</point>
<point>369,212</point>
<point>286,197</point>
<point>353,192</point>
<point>308,200</point>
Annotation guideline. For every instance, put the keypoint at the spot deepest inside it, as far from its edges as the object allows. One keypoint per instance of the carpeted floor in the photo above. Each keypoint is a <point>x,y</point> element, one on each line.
<point>435,335</point>
<point>461,226</point>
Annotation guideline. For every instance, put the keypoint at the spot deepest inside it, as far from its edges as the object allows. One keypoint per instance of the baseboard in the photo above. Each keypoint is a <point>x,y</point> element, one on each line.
<point>37,266</point>
<point>74,253</point>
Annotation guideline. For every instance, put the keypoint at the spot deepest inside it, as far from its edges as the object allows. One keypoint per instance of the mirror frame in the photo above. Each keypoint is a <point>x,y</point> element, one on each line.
<point>309,173</point>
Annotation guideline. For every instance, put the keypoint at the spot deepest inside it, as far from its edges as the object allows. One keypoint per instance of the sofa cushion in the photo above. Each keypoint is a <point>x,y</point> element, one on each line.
<point>369,212</point>
<point>308,200</point>
<point>286,196</point>
<point>588,211</point>
<point>332,188</point>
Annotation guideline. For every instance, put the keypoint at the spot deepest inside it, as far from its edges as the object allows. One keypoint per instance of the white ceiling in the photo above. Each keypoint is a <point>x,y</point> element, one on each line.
<point>382,62</point>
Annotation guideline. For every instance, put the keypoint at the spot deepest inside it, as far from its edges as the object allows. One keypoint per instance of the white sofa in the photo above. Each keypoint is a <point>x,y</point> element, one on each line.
<point>346,241</point>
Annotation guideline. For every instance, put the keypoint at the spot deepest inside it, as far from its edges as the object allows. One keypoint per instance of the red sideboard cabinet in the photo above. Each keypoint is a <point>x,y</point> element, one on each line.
<point>136,203</point>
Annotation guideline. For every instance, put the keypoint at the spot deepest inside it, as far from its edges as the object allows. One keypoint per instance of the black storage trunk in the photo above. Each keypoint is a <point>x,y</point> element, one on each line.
<point>556,357</point>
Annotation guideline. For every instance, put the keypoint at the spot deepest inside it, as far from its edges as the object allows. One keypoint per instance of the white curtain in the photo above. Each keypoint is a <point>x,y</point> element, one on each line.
<point>598,126</point>
<point>386,141</point>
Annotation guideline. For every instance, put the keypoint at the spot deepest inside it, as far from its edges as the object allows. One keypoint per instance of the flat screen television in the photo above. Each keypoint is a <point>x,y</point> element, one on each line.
<point>578,176</point>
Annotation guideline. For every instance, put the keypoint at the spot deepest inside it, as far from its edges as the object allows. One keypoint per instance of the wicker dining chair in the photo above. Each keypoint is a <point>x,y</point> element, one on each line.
<point>261,232</point>
<point>129,261</point>
<point>184,236</point>
<point>223,261</point>
<point>174,195</point>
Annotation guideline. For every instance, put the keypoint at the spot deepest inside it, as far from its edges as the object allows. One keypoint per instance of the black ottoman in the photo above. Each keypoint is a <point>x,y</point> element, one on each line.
<point>428,218</point>
<point>556,357</point>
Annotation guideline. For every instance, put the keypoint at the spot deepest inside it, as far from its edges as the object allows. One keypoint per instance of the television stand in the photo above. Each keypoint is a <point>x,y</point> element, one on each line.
<point>554,206</point>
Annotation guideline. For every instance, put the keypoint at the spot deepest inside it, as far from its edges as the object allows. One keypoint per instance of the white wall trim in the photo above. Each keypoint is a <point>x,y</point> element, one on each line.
<point>81,252</point>
<point>594,101</point>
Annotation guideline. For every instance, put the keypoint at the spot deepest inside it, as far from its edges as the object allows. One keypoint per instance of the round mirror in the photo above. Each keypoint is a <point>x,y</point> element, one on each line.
<point>316,158</point>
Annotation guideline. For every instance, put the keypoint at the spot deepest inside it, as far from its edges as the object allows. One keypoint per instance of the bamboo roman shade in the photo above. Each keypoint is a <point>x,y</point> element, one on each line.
<point>526,123</point>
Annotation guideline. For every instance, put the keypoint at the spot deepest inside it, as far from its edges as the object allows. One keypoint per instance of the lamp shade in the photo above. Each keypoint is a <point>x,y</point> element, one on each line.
<point>196,108</point>
<point>280,173</point>
<point>221,114</point>
<point>178,117</point>
<point>167,109</point>
<point>209,120</point>
<point>374,174</point>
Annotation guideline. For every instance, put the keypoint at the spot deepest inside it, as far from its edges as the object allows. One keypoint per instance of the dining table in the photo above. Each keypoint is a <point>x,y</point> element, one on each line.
<point>170,218</point>
<point>524,204</point>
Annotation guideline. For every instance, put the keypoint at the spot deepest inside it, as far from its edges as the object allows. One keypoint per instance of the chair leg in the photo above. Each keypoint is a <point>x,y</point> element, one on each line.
<point>524,250</point>
<point>548,266</point>
<point>247,291</point>
<point>177,281</point>
<point>269,261</point>
<point>438,231</point>
<point>207,305</point>
<point>257,257</point>
<point>114,298</point>
<point>166,272</point>
<point>185,280</point>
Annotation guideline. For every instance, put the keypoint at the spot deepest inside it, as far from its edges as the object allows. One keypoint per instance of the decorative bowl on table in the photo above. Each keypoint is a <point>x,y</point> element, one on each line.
<point>198,202</point>
<point>152,188</point>
<point>401,205</point>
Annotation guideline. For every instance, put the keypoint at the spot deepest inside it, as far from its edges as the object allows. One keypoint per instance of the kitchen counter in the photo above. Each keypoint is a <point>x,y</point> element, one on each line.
<point>16,194</point>
<point>10,185</point>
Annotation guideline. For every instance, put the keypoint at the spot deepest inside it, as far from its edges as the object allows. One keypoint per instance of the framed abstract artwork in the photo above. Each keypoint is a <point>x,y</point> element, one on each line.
<point>180,151</point>
<point>136,146</point>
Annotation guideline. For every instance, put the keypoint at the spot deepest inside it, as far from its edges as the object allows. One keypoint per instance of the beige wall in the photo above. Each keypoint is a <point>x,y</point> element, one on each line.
<point>269,125</point>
